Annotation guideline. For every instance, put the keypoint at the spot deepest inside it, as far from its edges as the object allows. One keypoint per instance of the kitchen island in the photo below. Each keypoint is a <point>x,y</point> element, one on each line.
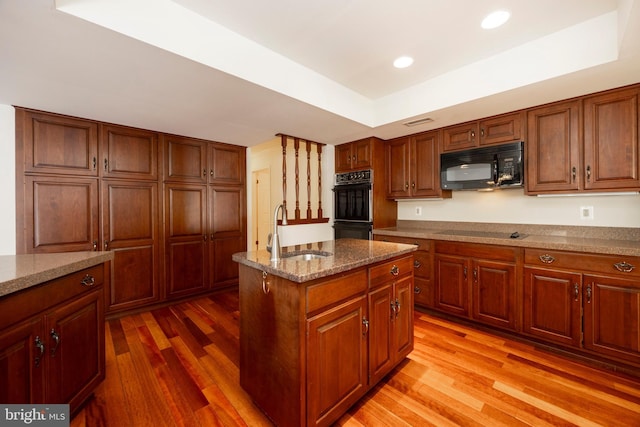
<point>321,327</point>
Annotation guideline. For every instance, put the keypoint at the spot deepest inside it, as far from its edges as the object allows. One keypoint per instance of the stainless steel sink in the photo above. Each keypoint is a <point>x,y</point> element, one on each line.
<point>305,256</point>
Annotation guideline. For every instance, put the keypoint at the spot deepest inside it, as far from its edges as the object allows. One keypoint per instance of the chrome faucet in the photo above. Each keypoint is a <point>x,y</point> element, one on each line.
<point>273,240</point>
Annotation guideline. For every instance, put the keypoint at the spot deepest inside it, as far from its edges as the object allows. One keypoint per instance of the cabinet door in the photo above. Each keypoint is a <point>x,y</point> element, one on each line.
<point>460,136</point>
<point>227,211</point>
<point>63,214</point>
<point>336,361</point>
<point>75,350</point>
<point>186,239</point>
<point>403,318</point>
<point>57,144</point>
<point>494,293</point>
<point>612,316</point>
<point>611,144</point>
<point>223,270</point>
<point>506,128</point>
<point>553,148</point>
<point>425,165</point>
<point>452,289</point>
<point>131,230</point>
<point>343,157</point>
<point>128,152</point>
<point>397,166</point>
<point>552,305</point>
<point>226,164</point>
<point>381,315</point>
<point>361,152</point>
<point>185,159</point>
<point>22,363</point>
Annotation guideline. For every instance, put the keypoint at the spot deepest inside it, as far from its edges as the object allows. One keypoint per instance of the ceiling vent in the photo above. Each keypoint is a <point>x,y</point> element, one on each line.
<point>417,122</point>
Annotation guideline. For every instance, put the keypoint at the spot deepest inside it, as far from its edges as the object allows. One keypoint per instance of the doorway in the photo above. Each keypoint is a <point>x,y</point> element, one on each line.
<point>261,190</point>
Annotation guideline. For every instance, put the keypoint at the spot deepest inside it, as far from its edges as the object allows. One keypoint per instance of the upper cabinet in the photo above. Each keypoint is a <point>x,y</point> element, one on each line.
<point>586,144</point>
<point>493,130</point>
<point>57,144</point>
<point>128,153</point>
<point>354,155</point>
<point>413,166</point>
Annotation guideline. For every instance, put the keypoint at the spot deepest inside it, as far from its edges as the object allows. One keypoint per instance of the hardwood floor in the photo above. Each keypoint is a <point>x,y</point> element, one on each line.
<point>178,366</point>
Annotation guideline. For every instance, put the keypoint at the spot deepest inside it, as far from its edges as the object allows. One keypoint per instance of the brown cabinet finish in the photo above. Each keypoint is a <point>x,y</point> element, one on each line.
<point>185,159</point>
<point>131,230</point>
<point>611,144</point>
<point>62,215</point>
<point>553,148</point>
<point>52,340</point>
<point>489,131</point>
<point>413,166</point>
<point>56,144</point>
<point>128,153</point>
<point>227,164</point>
<point>354,155</point>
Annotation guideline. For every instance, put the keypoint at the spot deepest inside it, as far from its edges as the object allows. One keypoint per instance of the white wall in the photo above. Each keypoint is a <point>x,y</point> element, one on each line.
<point>7,180</point>
<point>513,207</point>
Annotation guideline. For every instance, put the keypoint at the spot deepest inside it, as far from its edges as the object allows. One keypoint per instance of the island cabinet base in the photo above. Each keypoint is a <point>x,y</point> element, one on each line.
<point>306,348</point>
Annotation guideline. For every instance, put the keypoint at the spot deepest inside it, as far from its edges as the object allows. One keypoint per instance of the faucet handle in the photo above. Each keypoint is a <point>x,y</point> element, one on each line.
<point>269,237</point>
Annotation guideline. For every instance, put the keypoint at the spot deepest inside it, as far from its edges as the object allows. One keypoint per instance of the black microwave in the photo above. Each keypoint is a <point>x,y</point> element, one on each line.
<point>498,166</point>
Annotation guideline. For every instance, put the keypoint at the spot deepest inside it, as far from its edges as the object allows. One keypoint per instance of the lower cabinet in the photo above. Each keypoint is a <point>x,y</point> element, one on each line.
<point>320,346</point>
<point>590,302</point>
<point>478,282</point>
<point>52,340</point>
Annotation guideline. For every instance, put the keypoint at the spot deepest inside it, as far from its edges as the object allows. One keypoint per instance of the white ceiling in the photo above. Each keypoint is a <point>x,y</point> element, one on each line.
<point>241,71</point>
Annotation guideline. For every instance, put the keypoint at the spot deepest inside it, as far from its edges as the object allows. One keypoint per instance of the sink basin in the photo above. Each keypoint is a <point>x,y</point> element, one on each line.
<point>305,256</point>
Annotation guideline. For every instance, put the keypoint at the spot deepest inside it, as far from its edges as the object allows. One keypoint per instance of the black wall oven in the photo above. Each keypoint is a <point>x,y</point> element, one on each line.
<point>353,205</point>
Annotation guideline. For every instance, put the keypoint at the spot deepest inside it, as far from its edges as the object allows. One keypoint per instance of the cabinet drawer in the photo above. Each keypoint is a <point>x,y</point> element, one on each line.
<point>15,307</point>
<point>475,250</point>
<point>336,290</point>
<point>423,244</point>
<point>422,264</point>
<point>627,266</point>
<point>387,271</point>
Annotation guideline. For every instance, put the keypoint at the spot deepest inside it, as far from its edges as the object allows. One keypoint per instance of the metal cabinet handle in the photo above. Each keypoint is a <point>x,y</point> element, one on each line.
<point>576,291</point>
<point>365,322</point>
<point>394,270</point>
<point>56,338</point>
<point>588,173</point>
<point>413,185</point>
<point>397,307</point>
<point>473,134</point>
<point>573,174</point>
<point>589,293</point>
<point>393,310</point>
<point>106,245</point>
<point>204,172</point>
<point>88,280</point>
<point>40,346</point>
<point>464,271</point>
<point>106,164</point>
<point>406,185</point>
<point>546,258</point>
<point>211,173</point>
<point>95,245</point>
<point>417,264</point>
<point>475,274</point>
<point>624,267</point>
<point>417,290</point>
<point>265,283</point>
<point>95,163</point>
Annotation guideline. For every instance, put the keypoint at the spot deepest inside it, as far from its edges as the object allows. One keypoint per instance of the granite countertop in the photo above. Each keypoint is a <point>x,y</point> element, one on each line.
<point>18,272</point>
<point>599,240</point>
<point>340,255</point>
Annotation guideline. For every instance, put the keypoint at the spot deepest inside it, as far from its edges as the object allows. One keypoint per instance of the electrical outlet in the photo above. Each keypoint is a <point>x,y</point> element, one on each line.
<point>586,212</point>
<point>418,210</point>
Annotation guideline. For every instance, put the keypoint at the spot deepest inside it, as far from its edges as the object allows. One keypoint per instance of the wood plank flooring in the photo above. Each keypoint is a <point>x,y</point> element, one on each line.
<point>178,366</point>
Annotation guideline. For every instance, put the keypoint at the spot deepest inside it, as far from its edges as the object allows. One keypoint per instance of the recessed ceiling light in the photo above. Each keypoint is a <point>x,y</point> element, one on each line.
<point>495,19</point>
<point>403,62</point>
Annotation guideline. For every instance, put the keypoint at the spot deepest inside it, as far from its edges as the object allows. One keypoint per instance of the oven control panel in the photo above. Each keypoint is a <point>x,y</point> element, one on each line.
<point>358,177</point>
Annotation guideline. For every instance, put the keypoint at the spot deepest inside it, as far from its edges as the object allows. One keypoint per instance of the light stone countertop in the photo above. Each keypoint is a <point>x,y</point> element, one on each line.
<point>18,272</point>
<point>342,255</point>
<point>598,240</point>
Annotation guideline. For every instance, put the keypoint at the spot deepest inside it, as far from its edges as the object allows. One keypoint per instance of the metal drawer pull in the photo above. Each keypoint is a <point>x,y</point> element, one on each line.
<point>576,291</point>
<point>417,264</point>
<point>38,343</point>
<point>56,338</point>
<point>88,280</point>
<point>395,270</point>
<point>417,290</point>
<point>625,267</point>
<point>546,258</point>
<point>365,322</point>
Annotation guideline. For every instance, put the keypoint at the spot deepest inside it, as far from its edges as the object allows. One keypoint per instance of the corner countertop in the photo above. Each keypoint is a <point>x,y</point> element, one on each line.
<point>18,272</point>
<point>599,240</point>
<point>340,255</point>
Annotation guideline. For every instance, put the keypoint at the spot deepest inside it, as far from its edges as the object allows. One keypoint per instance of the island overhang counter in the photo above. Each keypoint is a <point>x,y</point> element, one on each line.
<point>317,333</point>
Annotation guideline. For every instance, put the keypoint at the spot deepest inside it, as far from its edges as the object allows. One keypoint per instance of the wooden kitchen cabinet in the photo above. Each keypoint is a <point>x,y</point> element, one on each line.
<point>586,301</point>
<point>227,164</point>
<point>489,131</point>
<point>413,167</point>
<point>128,153</point>
<point>355,155</point>
<point>422,267</point>
<point>480,284</point>
<point>186,159</point>
<point>131,229</point>
<point>321,345</point>
<point>52,340</point>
